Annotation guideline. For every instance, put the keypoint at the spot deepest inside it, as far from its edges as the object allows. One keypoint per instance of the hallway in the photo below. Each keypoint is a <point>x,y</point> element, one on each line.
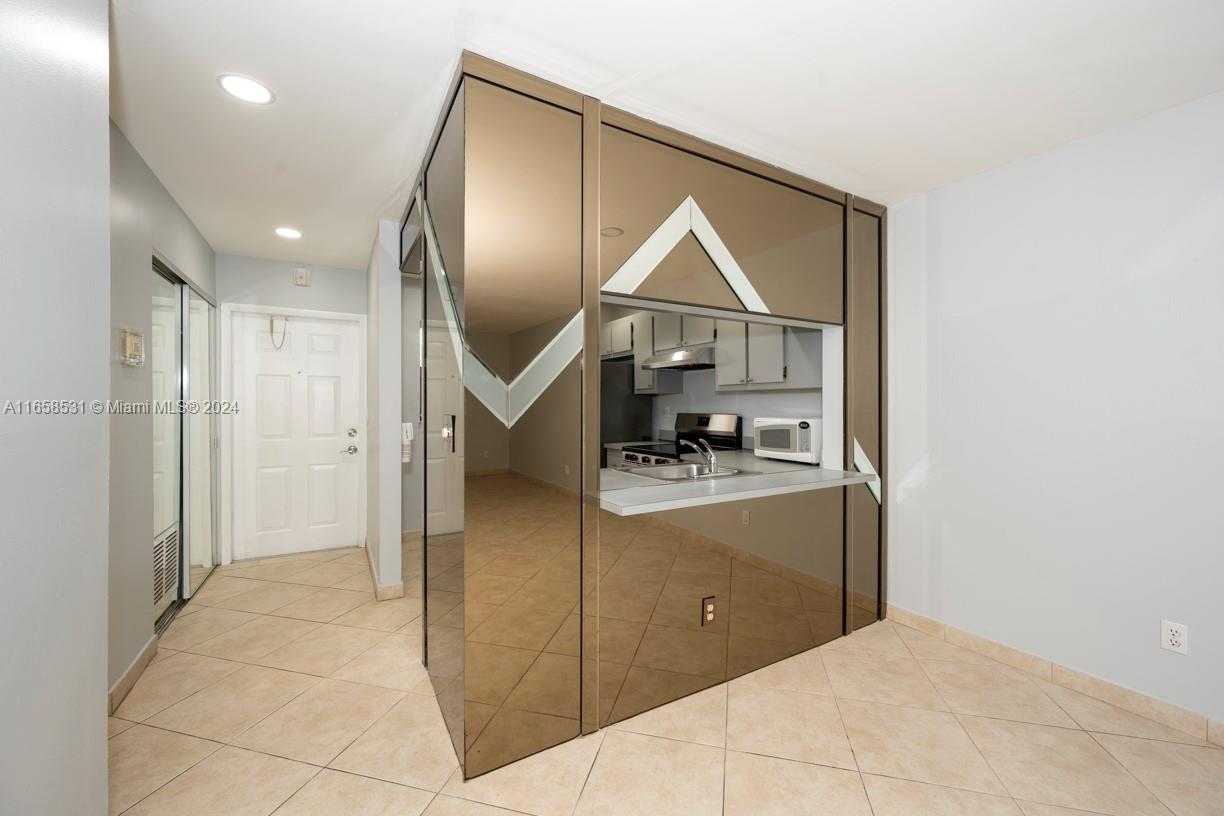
<point>285,688</point>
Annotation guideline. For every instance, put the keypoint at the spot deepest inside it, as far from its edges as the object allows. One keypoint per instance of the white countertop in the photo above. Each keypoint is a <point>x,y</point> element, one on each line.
<point>627,494</point>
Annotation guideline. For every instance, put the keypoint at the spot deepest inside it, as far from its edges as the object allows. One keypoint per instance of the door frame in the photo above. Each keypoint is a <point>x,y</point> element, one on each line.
<point>231,369</point>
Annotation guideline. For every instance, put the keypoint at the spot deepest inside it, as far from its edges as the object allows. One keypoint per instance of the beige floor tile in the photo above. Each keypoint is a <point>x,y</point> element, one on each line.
<point>878,637</point>
<point>520,627</point>
<point>231,781</point>
<point>450,806</point>
<point>359,557</point>
<point>221,587</point>
<point>487,587</point>
<point>917,744</point>
<point>897,797</point>
<point>385,616</point>
<point>394,662</point>
<point>1059,766</point>
<point>167,681</point>
<point>361,582</point>
<point>1096,715</point>
<point>325,605</point>
<point>1187,778</point>
<point>268,597</point>
<point>700,717</point>
<point>544,784</point>
<point>637,775</point>
<point>1034,809</point>
<point>766,786</point>
<point>227,708</point>
<point>880,678</point>
<point>253,640</point>
<point>142,759</point>
<point>325,575</point>
<point>272,570</point>
<point>324,650</point>
<point>786,724</point>
<point>994,691</point>
<point>316,726</point>
<point>804,672</point>
<point>409,745</point>
<point>333,793</point>
<point>185,632</point>
<point>116,726</point>
<point>926,647</point>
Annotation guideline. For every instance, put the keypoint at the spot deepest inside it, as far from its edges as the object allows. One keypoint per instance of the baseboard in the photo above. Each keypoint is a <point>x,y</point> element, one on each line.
<point>382,592</point>
<point>1175,717</point>
<point>128,679</point>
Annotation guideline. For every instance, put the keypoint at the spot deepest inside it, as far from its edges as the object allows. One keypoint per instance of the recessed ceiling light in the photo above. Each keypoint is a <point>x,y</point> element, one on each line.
<point>246,89</point>
<point>611,232</point>
<point>289,232</point>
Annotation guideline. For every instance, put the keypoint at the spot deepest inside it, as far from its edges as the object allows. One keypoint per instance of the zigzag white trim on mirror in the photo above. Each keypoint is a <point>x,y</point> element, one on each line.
<point>506,402</point>
<point>686,218</point>
<point>863,465</point>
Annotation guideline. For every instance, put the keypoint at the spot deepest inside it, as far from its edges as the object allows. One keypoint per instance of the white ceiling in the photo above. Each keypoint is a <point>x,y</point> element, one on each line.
<point>884,99</point>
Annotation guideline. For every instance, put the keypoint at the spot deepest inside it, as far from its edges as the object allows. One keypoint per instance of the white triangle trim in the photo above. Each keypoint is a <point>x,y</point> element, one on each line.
<point>687,217</point>
<point>863,465</point>
<point>506,402</point>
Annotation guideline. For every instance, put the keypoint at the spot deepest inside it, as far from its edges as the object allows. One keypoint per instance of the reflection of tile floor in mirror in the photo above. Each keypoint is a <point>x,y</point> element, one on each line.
<point>275,696</point>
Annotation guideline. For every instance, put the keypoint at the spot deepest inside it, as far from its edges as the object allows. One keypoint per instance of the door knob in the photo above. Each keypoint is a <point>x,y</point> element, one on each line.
<point>351,449</point>
<point>352,432</point>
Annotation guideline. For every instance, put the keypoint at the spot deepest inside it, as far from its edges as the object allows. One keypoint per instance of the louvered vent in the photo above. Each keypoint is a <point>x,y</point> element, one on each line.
<point>165,566</point>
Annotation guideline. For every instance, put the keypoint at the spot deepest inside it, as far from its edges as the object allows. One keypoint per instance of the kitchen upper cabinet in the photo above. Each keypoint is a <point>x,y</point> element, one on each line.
<point>731,354</point>
<point>648,381</point>
<point>766,360</point>
<point>616,337</point>
<point>698,330</point>
<point>678,211</point>
<point>673,331</point>
<point>668,331</point>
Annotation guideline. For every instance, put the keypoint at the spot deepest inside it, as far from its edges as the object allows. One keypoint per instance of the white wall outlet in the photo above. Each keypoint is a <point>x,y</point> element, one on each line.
<point>1175,637</point>
<point>567,472</point>
<point>746,518</point>
<point>301,276</point>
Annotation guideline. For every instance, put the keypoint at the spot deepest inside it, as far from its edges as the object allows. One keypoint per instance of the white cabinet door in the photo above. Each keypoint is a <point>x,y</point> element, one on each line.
<point>643,347</point>
<point>766,361</point>
<point>667,331</point>
<point>605,338</point>
<point>730,354</point>
<point>697,330</point>
<point>622,338</point>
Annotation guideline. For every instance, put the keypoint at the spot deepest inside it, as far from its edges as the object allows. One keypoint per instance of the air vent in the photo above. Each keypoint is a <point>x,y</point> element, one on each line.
<point>165,568</point>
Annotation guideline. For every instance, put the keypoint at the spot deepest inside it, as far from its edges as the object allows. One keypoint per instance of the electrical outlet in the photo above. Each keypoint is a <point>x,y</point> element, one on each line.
<point>707,610</point>
<point>1175,637</point>
<point>746,518</point>
<point>567,470</point>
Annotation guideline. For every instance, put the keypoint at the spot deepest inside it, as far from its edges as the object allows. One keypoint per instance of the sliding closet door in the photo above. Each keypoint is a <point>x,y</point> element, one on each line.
<point>199,452</point>
<point>165,363</point>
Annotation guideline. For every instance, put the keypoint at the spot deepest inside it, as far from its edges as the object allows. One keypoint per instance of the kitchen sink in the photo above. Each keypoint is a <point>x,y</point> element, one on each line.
<point>686,472</point>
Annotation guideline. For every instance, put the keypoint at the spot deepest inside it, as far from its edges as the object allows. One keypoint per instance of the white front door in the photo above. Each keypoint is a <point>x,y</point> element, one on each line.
<point>443,435</point>
<point>298,435</point>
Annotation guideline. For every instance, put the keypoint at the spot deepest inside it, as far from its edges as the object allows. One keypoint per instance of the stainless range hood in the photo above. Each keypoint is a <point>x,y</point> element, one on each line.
<point>685,359</point>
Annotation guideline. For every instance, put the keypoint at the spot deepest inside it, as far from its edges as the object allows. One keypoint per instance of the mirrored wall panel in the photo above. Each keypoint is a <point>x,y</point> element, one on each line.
<point>165,365</point>
<point>683,228</point>
<point>503,199</point>
<point>199,461</point>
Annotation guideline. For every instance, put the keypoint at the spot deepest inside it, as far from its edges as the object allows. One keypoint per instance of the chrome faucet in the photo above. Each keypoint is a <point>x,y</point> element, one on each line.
<point>706,451</point>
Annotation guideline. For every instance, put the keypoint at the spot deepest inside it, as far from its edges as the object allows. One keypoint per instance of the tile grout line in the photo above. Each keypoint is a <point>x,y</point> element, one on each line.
<point>1128,771</point>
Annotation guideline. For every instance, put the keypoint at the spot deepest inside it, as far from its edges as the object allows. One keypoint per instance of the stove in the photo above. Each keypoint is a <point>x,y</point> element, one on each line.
<point>720,431</point>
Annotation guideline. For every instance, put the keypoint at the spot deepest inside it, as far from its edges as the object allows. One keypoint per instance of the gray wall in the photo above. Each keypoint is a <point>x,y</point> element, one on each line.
<point>384,477</point>
<point>1055,391</point>
<point>260,282</point>
<point>145,221</point>
<point>54,233</point>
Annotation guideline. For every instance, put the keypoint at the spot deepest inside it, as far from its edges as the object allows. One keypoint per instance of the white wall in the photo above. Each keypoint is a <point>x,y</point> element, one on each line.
<point>261,282</point>
<point>1056,396</point>
<point>383,467</point>
<point>53,514</point>
<point>700,396</point>
<point>145,221</point>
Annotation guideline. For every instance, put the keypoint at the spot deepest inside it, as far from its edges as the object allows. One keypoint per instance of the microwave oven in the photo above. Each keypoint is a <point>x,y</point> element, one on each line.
<point>792,439</point>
